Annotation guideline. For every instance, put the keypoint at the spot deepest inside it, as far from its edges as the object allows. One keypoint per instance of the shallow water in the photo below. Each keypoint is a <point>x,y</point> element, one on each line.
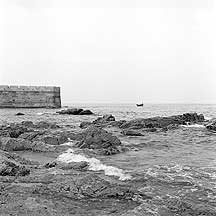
<point>187,154</point>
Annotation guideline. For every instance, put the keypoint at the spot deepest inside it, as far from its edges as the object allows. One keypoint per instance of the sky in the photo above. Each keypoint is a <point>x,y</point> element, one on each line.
<point>116,51</point>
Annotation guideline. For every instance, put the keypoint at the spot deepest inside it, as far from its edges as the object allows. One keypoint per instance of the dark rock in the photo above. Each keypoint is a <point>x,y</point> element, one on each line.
<point>19,114</point>
<point>84,125</point>
<point>80,166</point>
<point>162,122</point>
<point>104,119</point>
<point>75,111</point>
<point>211,125</point>
<point>170,127</point>
<point>86,112</point>
<point>71,111</point>
<point>27,123</point>
<point>132,133</point>
<point>99,139</point>
<point>10,167</point>
<point>13,130</point>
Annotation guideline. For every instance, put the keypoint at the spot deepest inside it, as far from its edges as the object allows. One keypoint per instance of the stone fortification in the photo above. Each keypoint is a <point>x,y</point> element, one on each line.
<point>29,97</point>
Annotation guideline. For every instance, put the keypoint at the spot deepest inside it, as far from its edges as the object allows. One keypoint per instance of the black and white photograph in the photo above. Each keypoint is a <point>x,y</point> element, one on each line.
<point>107,107</point>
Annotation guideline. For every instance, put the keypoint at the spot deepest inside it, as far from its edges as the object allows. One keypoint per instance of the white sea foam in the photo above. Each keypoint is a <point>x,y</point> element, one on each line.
<point>46,113</point>
<point>94,164</point>
<point>193,126</point>
<point>69,143</point>
<point>40,113</point>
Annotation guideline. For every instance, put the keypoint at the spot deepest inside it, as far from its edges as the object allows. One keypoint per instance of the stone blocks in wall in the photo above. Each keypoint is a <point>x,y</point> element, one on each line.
<point>30,97</point>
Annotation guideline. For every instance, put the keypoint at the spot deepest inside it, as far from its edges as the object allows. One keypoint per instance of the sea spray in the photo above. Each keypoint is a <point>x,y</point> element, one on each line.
<point>94,164</point>
<point>194,126</point>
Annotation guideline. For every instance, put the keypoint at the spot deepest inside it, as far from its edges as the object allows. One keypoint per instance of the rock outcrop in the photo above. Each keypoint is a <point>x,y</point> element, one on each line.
<point>104,121</point>
<point>211,125</point>
<point>163,122</point>
<point>75,111</point>
<point>10,167</point>
<point>89,186</point>
<point>98,139</point>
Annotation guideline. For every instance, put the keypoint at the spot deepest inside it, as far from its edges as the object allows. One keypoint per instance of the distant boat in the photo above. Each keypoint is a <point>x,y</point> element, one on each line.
<point>140,105</point>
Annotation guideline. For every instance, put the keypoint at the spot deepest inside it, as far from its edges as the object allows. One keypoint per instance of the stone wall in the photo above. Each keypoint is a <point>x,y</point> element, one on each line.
<point>30,97</point>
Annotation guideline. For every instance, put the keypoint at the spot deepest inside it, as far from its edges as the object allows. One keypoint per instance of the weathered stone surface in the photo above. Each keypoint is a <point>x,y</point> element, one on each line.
<point>81,166</point>
<point>31,135</point>
<point>12,144</point>
<point>30,96</point>
<point>89,186</point>
<point>46,125</point>
<point>75,111</point>
<point>13,130</point>
<point>39,146</point>
<point>161,122</point>
<point>55,139</point>
<point>10,167</point>
<point>98,139</point>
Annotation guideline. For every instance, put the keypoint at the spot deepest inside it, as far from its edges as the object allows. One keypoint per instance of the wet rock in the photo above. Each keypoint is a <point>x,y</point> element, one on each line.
<point>162,122</point>
<point>19,114</point>
<point>10,167</point>
<point>170,127</point>
<point>80,166</point>
<point>132,133</point>
<point>98,139</point>
<point>71,111</point>
<point>75,111</point>
<point>86,112</point>
<point>211,125</point>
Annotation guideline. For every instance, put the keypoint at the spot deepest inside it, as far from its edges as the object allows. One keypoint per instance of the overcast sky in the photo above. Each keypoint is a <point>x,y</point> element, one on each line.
<point>118,51</point>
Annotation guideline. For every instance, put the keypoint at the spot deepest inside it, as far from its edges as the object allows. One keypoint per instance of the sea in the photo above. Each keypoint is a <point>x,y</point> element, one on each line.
<point>183,160</point>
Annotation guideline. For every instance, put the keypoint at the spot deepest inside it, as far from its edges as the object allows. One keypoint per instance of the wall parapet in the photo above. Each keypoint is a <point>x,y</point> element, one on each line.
<point>29,96</point>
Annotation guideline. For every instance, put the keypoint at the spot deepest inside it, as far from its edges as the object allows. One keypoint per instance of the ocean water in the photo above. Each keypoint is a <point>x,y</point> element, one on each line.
<point>184,159</point>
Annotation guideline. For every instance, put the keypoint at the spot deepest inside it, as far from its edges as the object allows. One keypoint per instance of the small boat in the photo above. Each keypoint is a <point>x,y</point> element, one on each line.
<point>140,105</point>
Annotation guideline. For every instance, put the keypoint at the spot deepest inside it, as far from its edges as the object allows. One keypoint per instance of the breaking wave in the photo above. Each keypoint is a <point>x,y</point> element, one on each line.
<point>193,126</point>
<point>94,164</point>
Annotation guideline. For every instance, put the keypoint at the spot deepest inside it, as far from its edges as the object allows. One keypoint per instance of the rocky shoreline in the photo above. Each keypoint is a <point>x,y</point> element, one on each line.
<point>72,183</point>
